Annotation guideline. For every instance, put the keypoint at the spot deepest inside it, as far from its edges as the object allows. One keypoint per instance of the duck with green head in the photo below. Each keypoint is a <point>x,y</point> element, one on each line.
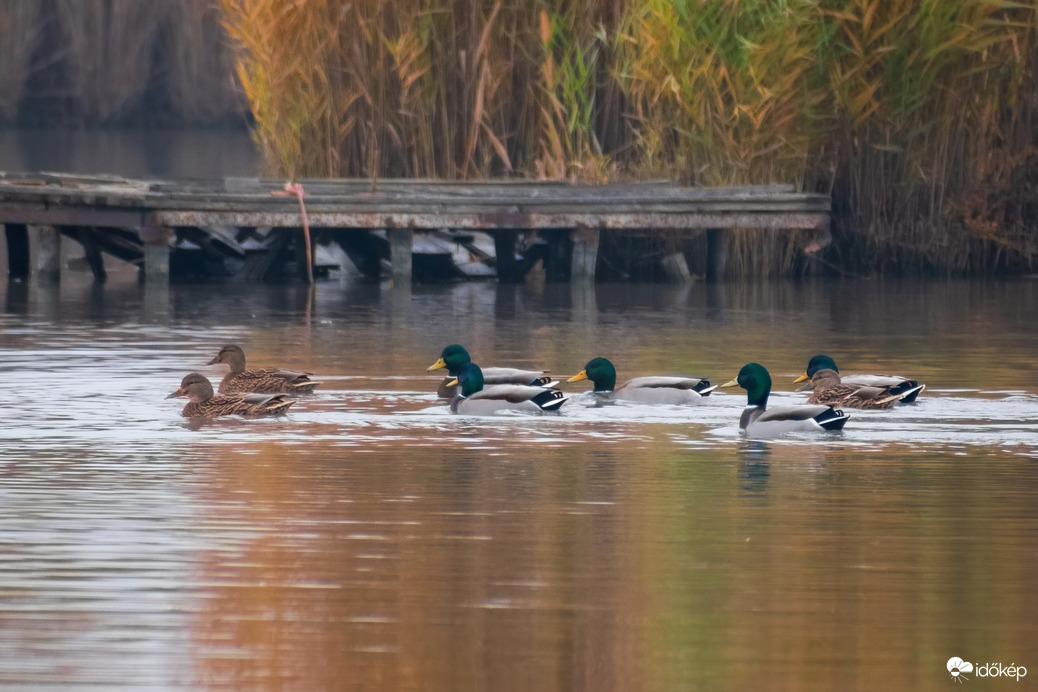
<point>238,380</point>
<point>455,357</point>
<point>650,389</point>
<point>907,390</point>
<point>759,421</point>
<point>826,388</point>
<point>474,397</point>
<point>204,403</point>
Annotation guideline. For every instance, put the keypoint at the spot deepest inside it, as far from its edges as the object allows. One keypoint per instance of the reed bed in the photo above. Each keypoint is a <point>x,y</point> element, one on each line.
<point>918,116</point>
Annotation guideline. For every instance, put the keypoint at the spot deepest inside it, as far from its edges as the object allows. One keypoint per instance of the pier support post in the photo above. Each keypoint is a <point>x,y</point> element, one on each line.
<point>401,245</point>
<point>48,253</point>
<point>585,253</point>
<point>17,251</point>
<point>717,241</point>
<point>504,254</point>
<point>156,254</point>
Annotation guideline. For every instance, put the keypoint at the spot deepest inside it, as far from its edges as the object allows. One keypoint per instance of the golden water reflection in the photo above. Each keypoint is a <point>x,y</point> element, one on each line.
<point>608,567</point>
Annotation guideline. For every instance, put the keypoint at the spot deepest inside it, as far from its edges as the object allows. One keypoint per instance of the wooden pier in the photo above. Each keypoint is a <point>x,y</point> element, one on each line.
<point>152,222</point>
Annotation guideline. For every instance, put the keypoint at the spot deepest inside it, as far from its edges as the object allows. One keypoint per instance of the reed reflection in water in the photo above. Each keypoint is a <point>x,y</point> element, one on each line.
<point>369,540</point>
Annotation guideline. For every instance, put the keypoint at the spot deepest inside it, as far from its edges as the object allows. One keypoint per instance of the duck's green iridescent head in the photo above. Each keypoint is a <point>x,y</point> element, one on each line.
<point>821,363</point>
<point>756,380</point>
<point>817,363</point>
<point>601,372</point>
<point>454,357</point>
<point>470,379</point>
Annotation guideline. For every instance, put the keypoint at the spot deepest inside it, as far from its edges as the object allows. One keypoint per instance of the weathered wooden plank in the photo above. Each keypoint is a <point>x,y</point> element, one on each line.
<point>35,213</point>
<point>489,221</point>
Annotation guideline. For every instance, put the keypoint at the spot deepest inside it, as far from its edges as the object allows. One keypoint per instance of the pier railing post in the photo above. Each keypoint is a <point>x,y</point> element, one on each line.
<point>585,253</point>
<point>156,254</point>
<point>47,267</point>
<point>401,245</point>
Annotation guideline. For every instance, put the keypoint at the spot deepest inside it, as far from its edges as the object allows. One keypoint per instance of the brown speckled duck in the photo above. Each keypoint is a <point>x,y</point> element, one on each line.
<point>828,389</point>
<point>204,404</point>
<point>908,390</point>
<point>278,381</point>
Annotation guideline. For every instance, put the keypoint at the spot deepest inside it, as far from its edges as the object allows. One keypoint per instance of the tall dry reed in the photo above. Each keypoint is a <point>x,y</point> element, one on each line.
<point>107,52</point>
<point>198,64</point>
<point>20,19</point>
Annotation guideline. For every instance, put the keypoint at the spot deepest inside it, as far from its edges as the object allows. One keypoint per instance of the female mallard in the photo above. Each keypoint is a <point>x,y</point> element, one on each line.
<point>653,389</point>
<point>828,389</point>
<point>240,381</point>
<point>759,421</point>
<point>455,357</point>
<point>894,384</point>
<point>475,398</point>
<point>203,403</point>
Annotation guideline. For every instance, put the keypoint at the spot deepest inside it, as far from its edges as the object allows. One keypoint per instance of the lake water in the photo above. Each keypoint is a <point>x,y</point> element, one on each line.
<point>371,540</point>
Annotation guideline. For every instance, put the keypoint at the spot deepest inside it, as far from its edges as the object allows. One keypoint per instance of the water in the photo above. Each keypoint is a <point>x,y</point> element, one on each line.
<point>370,540</point>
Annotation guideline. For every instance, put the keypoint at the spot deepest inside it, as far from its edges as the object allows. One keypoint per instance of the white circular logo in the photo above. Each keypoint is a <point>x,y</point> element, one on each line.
<point>956,666</point>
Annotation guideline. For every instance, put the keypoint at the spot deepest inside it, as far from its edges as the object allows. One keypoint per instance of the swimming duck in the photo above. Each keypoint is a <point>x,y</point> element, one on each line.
<point>203,404</point>
<point>652,389</point>
<point>895,384</point>
<point>828,389</point>
<point>475,398</point>
<point>455,357</point>
<point>278,381</point>
<point>759,421</point>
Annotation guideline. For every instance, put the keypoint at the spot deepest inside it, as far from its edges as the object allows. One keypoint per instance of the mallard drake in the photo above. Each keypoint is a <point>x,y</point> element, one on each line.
<point>828,389</point>
<point>455,357</point>
<point>895,384</point>
<point>204,404</point>
<point>759,421</point>
<point>278,381</point>
<point>652,389</point>
<point>475,398</point>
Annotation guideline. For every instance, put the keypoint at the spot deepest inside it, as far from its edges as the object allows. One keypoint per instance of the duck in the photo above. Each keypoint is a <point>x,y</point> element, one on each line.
<point>278,381</point>
<point>907,389</point>
<point>828,389</point>
<point>476,398</point>
<point>759,421</point>
<point>455,357</point>
<point>205,404</point>
<point>650,389</point>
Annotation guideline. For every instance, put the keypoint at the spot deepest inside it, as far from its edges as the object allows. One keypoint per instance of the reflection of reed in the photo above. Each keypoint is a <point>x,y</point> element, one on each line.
<point>449,570</point>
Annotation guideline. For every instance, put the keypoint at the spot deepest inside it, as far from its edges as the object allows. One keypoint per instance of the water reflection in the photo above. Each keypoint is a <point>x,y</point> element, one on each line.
<point>754,467</point>
<point>372,540</point>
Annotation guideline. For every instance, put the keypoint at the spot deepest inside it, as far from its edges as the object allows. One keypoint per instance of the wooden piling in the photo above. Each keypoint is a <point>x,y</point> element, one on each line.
<point>717,242</point>
<point>17,251</point>
<point>156,254</point>
<point>401,245</point>
<point>92,254</point>
<point>47,267</point>
<point>585,253</point>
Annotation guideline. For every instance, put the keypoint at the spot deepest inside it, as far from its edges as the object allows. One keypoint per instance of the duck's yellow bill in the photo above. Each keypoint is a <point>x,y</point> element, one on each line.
<point>731,383</point>
<point>802,378</point>
<point>582,375</point>
<point>436,366</point>
<point>452,383</point>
